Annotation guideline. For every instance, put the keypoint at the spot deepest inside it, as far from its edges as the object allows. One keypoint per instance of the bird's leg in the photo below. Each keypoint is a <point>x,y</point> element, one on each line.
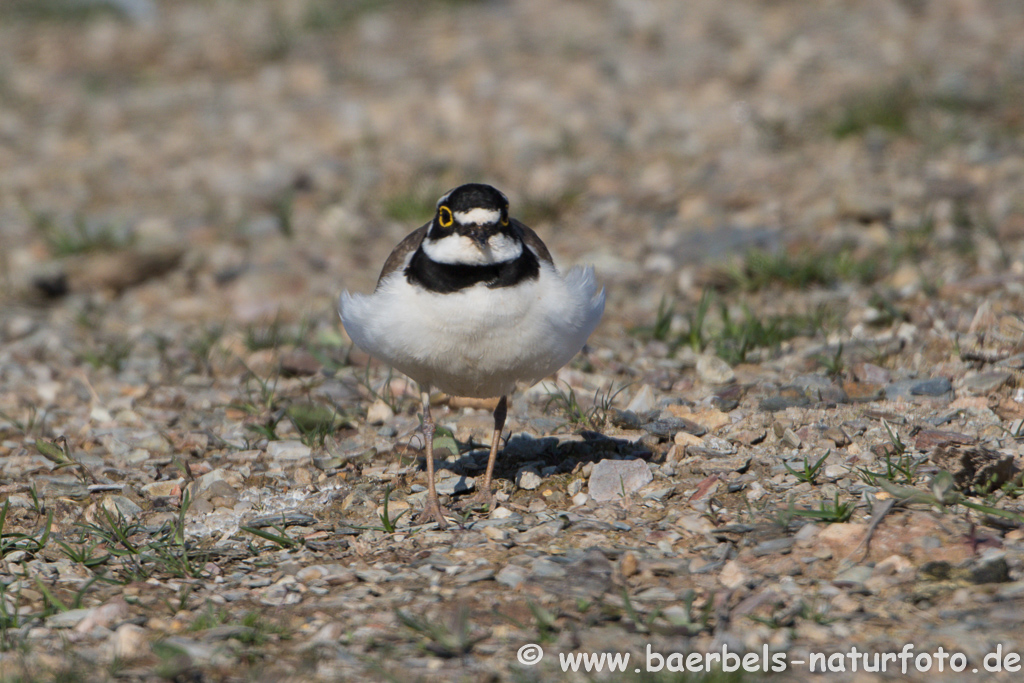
<point>432,510</point>
<point>484,495</point>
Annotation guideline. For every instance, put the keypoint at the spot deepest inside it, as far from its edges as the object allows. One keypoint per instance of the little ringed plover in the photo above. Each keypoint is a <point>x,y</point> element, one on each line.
<point>471,303</point>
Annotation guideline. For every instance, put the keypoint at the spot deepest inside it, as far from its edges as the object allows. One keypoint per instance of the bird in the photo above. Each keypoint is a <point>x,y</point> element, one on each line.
<point>471,303</point>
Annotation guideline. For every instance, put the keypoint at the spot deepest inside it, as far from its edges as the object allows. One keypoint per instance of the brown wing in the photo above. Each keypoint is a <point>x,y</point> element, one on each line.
<point>397,257</point>
<point>531,240</point>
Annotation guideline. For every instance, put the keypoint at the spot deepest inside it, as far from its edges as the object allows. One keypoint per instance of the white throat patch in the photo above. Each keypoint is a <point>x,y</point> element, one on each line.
<point>459,249</point>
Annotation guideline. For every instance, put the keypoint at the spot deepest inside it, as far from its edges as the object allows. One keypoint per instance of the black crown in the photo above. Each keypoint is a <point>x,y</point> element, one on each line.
<point>475,196</point>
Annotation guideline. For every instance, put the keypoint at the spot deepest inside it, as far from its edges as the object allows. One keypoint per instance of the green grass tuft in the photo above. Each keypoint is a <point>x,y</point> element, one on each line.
<point>81,236</point>
<point>802,269</point>
<point>887,108</point>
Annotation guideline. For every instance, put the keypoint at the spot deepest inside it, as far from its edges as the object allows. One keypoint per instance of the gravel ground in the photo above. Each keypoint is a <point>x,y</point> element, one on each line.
<point>796,431</point>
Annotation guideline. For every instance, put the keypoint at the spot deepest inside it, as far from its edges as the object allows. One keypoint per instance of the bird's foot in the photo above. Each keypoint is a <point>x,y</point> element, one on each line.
<point>433,511</point>
<point>483,498</point>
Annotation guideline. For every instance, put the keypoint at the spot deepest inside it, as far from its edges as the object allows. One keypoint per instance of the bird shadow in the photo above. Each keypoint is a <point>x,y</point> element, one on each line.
<point>562,453</point>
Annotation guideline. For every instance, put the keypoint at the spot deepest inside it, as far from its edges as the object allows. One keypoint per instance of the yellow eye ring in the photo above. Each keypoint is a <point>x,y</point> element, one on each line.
<point>444,217</point>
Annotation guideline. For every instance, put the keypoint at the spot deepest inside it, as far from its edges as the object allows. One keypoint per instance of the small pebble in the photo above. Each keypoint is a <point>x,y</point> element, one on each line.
<point>379,412</point>
<point>453,485</point>
<point>713,370</point>
<point>511,576</point>
<point>528,478</point>
<point>288,450</point>
<point>642,402</point>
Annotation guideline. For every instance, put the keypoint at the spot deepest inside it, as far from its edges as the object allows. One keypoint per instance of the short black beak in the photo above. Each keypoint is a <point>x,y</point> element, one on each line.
<point>480,235</point>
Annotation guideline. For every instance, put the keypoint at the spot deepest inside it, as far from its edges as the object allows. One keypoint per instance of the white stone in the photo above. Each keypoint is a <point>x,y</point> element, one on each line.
<point>528,478</point>
<point>643,400</point>
<point>611,479</point>
<point>288,450</point>
<point>733,575</point>
<point>128,642</point>
<point>379,413</point>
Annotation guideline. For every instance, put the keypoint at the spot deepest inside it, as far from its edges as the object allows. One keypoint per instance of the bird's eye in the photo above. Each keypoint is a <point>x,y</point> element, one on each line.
<point>504,216</point>
<point>444,217</point>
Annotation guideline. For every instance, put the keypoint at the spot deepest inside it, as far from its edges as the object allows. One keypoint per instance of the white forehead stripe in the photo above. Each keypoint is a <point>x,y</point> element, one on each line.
<point>478,216</point>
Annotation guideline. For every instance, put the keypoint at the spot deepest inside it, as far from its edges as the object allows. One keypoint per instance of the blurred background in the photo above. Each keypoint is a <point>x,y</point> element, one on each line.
<point>807,215</point>
<point>249,159</point>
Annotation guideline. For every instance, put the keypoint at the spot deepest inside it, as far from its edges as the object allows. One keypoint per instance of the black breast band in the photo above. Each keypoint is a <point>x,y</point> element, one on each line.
<point>445,278</point>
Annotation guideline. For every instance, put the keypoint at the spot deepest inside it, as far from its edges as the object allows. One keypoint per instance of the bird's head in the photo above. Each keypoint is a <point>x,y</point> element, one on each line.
<point>471,226</point>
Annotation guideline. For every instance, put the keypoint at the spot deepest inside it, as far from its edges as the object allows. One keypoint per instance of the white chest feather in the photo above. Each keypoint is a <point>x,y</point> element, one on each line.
<point>477,341</point>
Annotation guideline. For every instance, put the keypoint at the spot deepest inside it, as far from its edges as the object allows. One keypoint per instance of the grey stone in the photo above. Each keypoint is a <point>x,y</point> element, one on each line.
<point>611,478</point>
<point>121,506</point>
<point>772,404</point>
<point>285,591</point>
<point>543,568</point>
<point>853,578</point>
<point>910,389</point>
<point>68,619</point>
<point>542,531</point>
<point>511,575</point>
<point>810,382</point>
<point>19,501</point>
<point>986,382</point>
<point>932,387</point>
<point>713,370</point>
<point>874,374</point>
<point>626,419</point>
<point>776,545</point>
<point>206,481</point>
<point>667,427</point>
<point>719,446</point>
<point>453,485</point>
<point>371,575</point>
<point>821,388</point>
<point>19,326</point>
<point>545,425</point>
<point>474,576</point>
<point>282,519</point>
<point>657,594</point>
